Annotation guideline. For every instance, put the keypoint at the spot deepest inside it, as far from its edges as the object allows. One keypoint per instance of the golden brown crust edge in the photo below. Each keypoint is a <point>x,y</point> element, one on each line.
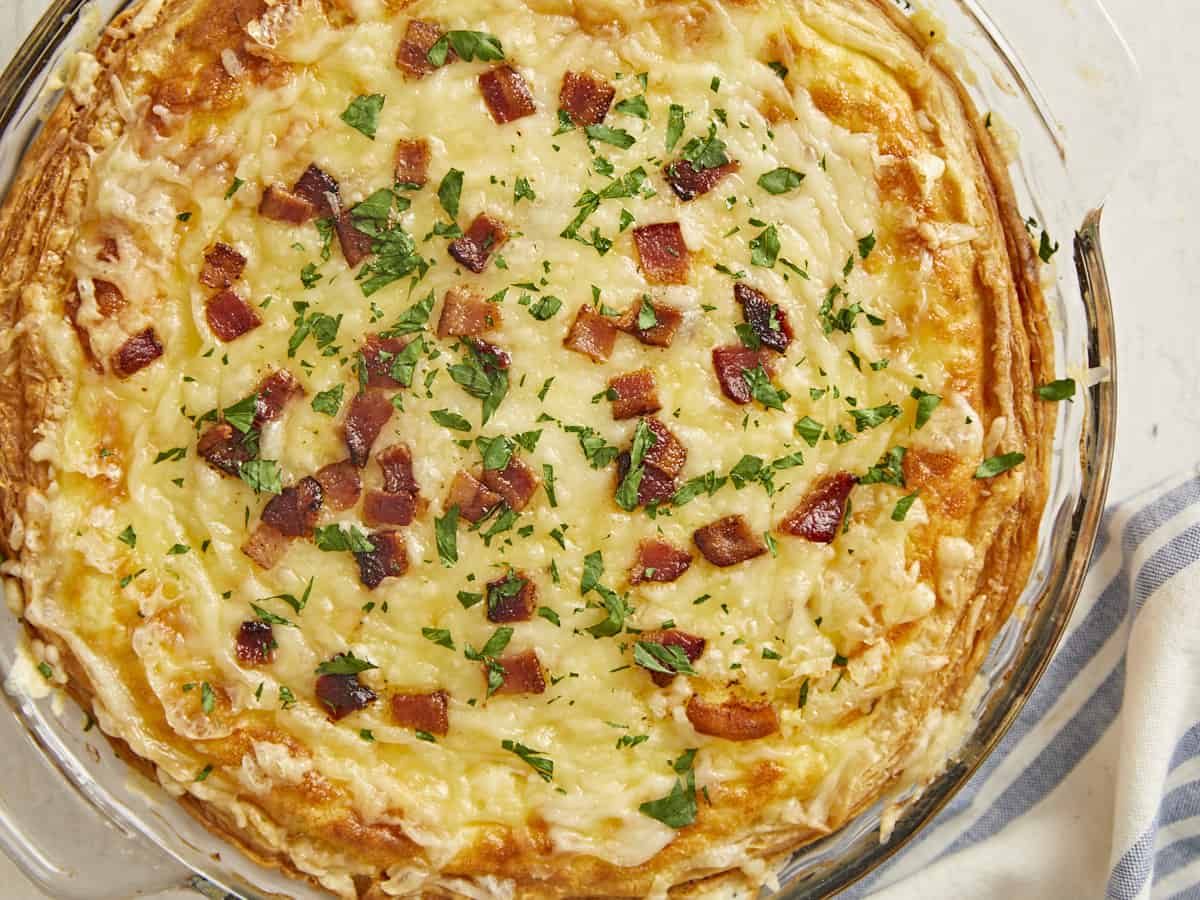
<point>43,208</point>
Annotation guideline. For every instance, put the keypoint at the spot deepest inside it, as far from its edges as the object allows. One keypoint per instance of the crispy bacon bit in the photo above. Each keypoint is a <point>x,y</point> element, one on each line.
<point>659,562</point>
<point>768,322</point>
<point>266,546</point>
<point>668,452</point>
<point>355,244</point>
<point>229,316</point>
<point>109,299</point>
<point>369,411</point>
<point>343,694</point>
<point>294,512</point>
<point>382,508</point>
<point>423,712</point>
<point>136,353</point>
<point>734,720</point>
<point>222,266</point>
<point>688,182</point>
<point>729,541</point>
<point>412,162</point>
<point>585,97</point>
<point>731,362</point>
<point>274,393</point>
<point>522,673</point>
<point>389,559</point>
<point>591,334</point>
<point>667,320</point>
<point>315,186</point>
<point>490,355</point>
<point>818,517</point>
<point>109,250</point>
<point>224,448</point>
<point>512,598</point>
<point>474,501</point>
<point>282,205</point>
<point>255,643</point>
<point>506,94</point>
<point>466,313</point>
<point>396,464</point>
<point>378,355</point>
<point>691,645</point>
<point>483,238</point>
<point>633,394</point>
<point>662,253</point>
<point>413,55</point>
<point>516,482</point>
<point>340,485</point>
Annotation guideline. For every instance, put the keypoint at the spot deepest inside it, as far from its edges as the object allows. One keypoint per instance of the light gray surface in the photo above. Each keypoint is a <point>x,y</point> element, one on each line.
<point>1148,237</point>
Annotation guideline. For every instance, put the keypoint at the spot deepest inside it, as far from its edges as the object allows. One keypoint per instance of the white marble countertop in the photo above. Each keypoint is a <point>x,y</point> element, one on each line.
<point>1148,237</point>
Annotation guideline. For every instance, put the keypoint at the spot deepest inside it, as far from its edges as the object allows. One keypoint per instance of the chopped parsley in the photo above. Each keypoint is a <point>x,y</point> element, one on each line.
<point>522,190</point>
<point>643,440</point>
<point>903,505</point>
<point>537,760</point>
<point>1063,389</point>
<point>678,808</point>
<point>665,658</point>
<point>439,636</point>
<point>330,401</point>
<point>926,404</point>
<point>263,475</point>
<point>363,114</point>
<point>469,45</point>
<point>781,180</point>
<point>344,664</point>
<point>764,249</point>
<point>450,192</point>
<point>446,534</point>
<point>451,420</point>
<point>675,125</point>
<point>618,137</point>
<point>998,465</point>
<point>333,539</point>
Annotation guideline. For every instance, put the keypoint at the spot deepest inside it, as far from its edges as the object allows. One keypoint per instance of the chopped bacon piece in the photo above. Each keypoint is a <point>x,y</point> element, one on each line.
<point>483,238</point>
<point>512,598</point>
<point>229,316</point>
<point>662,253</point>
<point>466,313</point>
<point>591,334</point>
<point>688,182</point>
<point>659,562</point>
<point>731,363</point>
<point>382,508</point>
<point>667,320</point>
<point>423,712</point>
<point>224,448</point>
<point>523,673</point>
<point>667,453</point>
<point>818,517</point>
<point>274,393</point>
<point>282,205</point>
<point>396,464</point>
<point>316,185</point>
<point>343,694</point>
<point>356,245</point>
<point>109,250</point>
<point>412,162</point>
<point>490,355</point>
<point>369,411</point>
<point>255,643</point>
<point>729,541</point>
<point>734,720</point>
<point>474,501</point>
<point>109,299</point>
<point>516,482</point>
<point>340,485</point>
<point>691,645</point>
<point>506,94</point>
<point>585,97</point>
<point>378,355</point>
<point>136,353</point>
<point>656,485</point>
<point>389,559</point>
<point>413,55</point>
<point>633,394</point>
<point>266,545</point>
<point>294,512</point>
<point>222,266</point>
<point>768,322</point>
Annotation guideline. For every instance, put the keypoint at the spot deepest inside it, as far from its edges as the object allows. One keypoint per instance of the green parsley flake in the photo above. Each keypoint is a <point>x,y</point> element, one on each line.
<point>363,114</point>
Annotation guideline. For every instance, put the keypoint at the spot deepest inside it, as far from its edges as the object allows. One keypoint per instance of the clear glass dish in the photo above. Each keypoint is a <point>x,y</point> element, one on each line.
<point>81,824</point>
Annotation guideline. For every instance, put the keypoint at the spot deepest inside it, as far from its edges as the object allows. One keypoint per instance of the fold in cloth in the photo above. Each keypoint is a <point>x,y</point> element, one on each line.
<point>1095,791</point>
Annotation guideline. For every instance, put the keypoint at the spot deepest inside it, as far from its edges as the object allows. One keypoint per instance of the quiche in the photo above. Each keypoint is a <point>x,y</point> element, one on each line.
<point>535,449</point>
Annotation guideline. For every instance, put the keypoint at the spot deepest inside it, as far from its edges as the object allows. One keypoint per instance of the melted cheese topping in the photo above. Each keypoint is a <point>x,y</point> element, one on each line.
<point>775,626</point>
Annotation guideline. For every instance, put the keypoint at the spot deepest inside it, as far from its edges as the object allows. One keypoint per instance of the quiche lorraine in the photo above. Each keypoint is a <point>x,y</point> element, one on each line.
<point>534,449</point>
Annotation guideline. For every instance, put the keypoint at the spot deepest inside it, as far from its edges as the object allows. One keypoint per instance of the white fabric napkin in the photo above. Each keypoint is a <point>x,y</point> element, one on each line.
<point>1095,791</point>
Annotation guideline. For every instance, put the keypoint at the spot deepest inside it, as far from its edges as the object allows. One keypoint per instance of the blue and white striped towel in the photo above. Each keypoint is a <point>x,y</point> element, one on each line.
<point>1095,791</point>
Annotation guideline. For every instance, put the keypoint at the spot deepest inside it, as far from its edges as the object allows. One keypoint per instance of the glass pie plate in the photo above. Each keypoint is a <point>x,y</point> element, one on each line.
<point>82,824</point>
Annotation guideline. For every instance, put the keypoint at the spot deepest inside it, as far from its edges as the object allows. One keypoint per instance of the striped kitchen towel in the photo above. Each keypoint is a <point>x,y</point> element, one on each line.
<point>1095,791</point>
